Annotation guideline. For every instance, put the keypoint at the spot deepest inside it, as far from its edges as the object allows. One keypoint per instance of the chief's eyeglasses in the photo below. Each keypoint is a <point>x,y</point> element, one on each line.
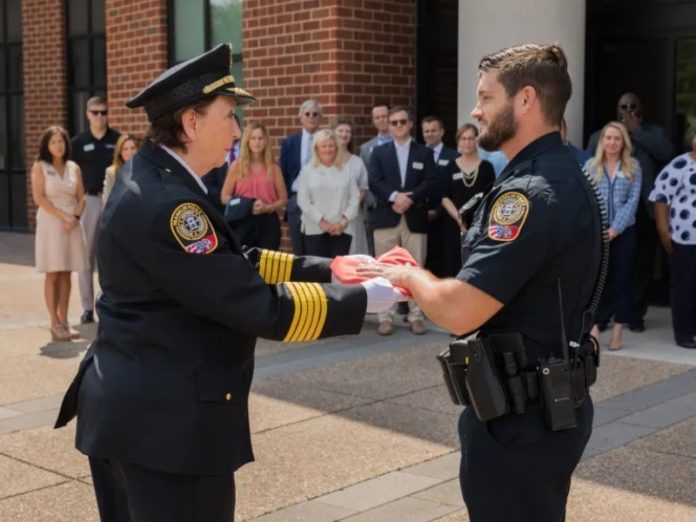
<point>311,114</point>
<point>396,123</point>
<point>99,113</point>
<point>628,106</point>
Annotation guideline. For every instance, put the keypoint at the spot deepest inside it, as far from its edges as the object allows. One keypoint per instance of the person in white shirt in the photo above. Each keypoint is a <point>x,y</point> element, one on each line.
<point>328,197</point>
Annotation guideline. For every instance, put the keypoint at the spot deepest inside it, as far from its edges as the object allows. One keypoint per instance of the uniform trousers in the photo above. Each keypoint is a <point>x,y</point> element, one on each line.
<point>130,493</point>
<point>89,221</point>
<point>416,244</point>
<point>515,469</point>
<point>683,291</point>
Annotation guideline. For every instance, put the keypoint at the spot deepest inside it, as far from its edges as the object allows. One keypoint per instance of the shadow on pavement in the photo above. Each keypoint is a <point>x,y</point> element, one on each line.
<point>65,350</point>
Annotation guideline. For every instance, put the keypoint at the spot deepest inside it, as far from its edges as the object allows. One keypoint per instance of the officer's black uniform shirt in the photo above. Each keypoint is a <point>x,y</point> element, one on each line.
<point>539,223</point>
<point>167,379</point>
<point>94,156</point>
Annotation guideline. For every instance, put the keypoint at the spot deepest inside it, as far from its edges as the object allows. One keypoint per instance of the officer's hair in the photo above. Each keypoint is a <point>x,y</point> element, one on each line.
<point>541,66</point>
<point>432,119</point>
<point>320,137</point>
<point>95,100</point>
<point>44,153</point>
<point>240,168</point>
<point>167,129</point>
<point>629,165</point>
<point>311,104</point>
<point>345,120</point>
<point>401,108</point>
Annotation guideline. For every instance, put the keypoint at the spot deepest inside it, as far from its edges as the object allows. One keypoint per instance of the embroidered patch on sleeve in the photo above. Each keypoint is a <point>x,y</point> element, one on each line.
<point>193,230</point>
<point>507,216</point>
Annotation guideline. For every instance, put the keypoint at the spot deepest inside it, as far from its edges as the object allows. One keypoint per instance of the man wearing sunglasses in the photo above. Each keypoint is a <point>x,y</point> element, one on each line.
<point>402,178</point>
<point>652,149</point>
<point>93,151</point>
<point>295,153</point>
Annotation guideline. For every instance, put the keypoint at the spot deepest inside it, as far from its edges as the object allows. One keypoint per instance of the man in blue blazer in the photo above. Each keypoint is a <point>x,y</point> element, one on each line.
<point>402,178</point>
<point>295,153</point>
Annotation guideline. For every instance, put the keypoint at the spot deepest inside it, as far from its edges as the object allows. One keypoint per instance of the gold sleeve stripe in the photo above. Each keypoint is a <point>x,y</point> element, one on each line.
<point>275,267</point>
<point>310,311</point>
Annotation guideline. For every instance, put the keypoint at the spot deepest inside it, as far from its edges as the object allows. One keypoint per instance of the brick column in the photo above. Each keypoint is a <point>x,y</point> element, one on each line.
<point>45,78</point>
<point>347,55</point>
<point>136,53</point>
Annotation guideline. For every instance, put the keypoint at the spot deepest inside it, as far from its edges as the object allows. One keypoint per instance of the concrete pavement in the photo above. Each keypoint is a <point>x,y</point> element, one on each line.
<point>357,428</point>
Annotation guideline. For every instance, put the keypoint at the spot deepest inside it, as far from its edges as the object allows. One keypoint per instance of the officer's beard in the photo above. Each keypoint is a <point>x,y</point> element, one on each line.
<point>500,129</point>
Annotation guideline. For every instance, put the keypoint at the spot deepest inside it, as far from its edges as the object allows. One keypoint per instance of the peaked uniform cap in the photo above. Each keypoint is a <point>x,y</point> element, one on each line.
<point>200,77</point>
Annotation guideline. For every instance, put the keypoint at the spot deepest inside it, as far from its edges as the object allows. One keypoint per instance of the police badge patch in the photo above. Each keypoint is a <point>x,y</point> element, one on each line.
<point>507,216</point>
<point>193,230</point>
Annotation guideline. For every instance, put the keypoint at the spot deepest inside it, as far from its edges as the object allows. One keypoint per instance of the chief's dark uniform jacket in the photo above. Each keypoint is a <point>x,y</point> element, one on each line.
<point>384,178</point>
<point>166,382</point>
<point>539,224</point>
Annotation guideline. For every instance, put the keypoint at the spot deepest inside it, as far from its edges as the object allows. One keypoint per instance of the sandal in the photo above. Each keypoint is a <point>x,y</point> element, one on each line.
<point>59,333</point>
<point>74,334</point>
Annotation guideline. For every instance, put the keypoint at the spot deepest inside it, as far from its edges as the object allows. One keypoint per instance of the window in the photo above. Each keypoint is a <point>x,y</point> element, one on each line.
<point>86,58</point>
<point>198,25</point>
<point>13,183</point>
<point>685,96</point>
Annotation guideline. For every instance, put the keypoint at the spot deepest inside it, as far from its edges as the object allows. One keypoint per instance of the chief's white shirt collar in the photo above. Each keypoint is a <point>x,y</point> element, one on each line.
<point>186,166</point>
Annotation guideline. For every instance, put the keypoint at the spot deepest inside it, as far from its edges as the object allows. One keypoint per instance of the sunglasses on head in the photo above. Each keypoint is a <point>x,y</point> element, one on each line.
<point>311,114</point>
<point>396,123</point>
<point>628,106</point>
<point>99,113</point>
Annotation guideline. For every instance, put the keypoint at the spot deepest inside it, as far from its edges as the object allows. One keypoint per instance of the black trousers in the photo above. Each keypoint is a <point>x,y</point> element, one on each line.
<point>514,469</point>
<point>262,231</point>
<point>326,245</point>
<point>616,298</point>
<point>131,493</point>
<point>683,292</point>
<point>647,248</point>
<point>294,214</point>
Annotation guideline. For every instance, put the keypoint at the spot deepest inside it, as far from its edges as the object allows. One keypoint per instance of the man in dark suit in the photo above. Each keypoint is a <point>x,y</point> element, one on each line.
<point>295,153</point>
<point>402,178</point>
<point>433,132</point>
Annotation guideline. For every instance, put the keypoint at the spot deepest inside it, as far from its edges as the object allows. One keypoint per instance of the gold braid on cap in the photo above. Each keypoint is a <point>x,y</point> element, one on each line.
<point>218,83</point>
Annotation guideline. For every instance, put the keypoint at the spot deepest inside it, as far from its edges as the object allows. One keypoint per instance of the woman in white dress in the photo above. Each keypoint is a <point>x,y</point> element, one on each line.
<point>343,128</point>
<point>328,198</point>
<point>58,191</point>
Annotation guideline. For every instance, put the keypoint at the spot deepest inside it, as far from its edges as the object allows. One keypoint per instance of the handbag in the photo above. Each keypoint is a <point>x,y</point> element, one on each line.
<point>238,207</point>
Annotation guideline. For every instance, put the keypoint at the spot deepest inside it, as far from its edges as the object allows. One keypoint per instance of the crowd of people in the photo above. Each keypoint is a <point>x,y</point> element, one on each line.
<point>341,199</point>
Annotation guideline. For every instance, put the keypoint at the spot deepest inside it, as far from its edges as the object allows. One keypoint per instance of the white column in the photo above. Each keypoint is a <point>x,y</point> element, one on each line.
<point>488,25</point>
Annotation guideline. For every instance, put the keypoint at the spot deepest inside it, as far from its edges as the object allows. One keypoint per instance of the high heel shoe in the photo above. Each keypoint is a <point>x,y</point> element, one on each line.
<point>74,334</point>
<point>58,333</point>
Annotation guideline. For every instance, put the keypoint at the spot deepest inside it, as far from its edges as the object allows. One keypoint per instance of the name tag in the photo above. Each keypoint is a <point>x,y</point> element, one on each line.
<point>457,176</point>
<point>88,147</point>
<point>443,162</point>
<point>110,145</point>
<point>234,201</point>
<point>417,165</point>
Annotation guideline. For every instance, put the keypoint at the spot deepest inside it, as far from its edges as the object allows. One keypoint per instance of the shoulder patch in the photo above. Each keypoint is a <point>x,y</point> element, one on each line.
<point>192,229</point>
<point>507,217</point>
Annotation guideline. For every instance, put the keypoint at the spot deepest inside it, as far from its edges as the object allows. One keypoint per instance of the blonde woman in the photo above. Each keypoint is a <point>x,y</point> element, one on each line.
<point>256,175</point>
<point>343,128</point>
<point>618,176</point>
<point>328,197</point>
<point>58,191</point>
<point>126,146</point>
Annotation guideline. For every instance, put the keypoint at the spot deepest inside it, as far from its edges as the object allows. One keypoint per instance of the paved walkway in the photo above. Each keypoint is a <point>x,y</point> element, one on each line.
<point>356,428</point>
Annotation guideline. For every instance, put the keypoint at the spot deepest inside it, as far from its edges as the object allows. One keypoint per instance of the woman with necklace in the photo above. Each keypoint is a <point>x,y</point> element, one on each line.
<point>618,176</point>
<point>58,191</point>
<point>467,176</point>
<point>254,174</point>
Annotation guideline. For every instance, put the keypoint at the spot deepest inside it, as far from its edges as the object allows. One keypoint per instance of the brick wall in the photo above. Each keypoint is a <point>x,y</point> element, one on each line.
<point>45,78</point>
<point>136,53</point>
<point>348,54</point>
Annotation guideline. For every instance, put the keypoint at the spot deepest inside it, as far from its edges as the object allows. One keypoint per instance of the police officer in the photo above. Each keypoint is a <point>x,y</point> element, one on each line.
<point>161,397</point>
<point>533,257</point>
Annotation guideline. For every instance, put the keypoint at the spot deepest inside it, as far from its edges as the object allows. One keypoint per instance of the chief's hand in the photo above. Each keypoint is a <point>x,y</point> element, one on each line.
<point>381,295</point>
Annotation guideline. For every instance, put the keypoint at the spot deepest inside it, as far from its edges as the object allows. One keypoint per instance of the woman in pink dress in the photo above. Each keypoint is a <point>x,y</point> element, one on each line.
<point>254,174</point>
<point>58,191</point>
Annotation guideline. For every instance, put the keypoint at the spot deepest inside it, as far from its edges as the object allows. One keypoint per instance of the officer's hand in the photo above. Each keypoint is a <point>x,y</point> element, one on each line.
<point>381,295</point>
<point>396,274</point>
